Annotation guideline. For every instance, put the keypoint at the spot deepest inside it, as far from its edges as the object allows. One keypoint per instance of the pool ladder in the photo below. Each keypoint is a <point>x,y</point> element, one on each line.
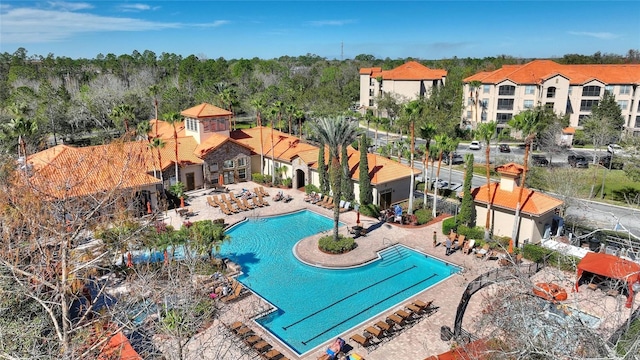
<point>393,255</point>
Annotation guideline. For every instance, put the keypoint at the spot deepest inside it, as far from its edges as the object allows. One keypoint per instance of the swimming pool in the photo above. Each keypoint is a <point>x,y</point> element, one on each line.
<point>315,304</point>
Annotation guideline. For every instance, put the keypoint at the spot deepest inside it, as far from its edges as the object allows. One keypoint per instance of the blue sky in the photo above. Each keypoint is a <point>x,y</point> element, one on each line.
<point>269,29</point>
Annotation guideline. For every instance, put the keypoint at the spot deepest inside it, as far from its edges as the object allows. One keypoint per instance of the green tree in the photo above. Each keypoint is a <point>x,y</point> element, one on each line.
<point>19,128</point>
<point>466,214</point>
<point>474,86</point>
<point>427,132</point>
<point>322,169</point>
<point>154,91</point>
<point>364,181</point>
<point>486,132</point>
<point>336,133</point>
<point>412,110</point>
<point>441,144</point>
<point>157,144</point>
<point>122,115</point>
<point>258,103</point>
<point>347,184</point>
<point>174,118</point>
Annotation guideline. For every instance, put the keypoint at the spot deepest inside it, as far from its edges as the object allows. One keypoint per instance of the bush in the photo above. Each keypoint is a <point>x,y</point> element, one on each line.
<point>287,182</point>
<point>476,232</point>
<point>371,210</point>
<point>448,224</point>
<point>423,216</point>
<point>538,254</point>
<point>311,188</point>
<point>343,245</point>
<point>259,178</point>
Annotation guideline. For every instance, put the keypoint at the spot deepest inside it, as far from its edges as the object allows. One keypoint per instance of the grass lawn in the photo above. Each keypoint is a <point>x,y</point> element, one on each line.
<point>616,185</point>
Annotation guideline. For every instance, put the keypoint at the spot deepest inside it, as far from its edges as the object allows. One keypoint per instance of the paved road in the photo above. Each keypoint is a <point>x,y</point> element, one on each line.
<point>598,215</point>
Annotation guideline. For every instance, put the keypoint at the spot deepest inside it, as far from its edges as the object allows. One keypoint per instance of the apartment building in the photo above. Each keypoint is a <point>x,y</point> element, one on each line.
<point>406,82</point>
<point>568,89</point>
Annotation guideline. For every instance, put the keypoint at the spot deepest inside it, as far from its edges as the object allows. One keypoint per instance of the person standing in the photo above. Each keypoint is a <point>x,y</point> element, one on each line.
<point>435,239</point>
<point>448,246</point>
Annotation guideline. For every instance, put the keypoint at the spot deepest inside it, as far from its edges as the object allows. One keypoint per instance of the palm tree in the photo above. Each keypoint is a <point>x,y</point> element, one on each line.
<point>20,128</point>
<point>441,144</point>
<point>412,110</point>
<point>527,123</point>
<point>336,134</point>
<point>299,115</point>
<point>258,104</point>
<point>485,132</point>
<point>273,112</point>
<point>174,118</point>
<point>290,110</point>
<point>427,132</point>
<point>157,144</point>
<point>121,114</point>
<point>475,87</point>
<point>279,106</point>
<point>154,90</point>
<point>451,149</point>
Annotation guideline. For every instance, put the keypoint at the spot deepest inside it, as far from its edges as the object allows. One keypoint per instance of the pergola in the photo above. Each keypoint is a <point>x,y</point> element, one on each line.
<point>612,267</point>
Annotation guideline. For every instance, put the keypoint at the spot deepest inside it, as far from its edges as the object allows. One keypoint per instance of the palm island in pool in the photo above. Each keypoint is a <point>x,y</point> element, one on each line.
<point>313,305</point>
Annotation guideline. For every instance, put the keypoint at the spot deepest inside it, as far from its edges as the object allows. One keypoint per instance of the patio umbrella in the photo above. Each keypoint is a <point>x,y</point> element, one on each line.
<point>129,260</point>
<point>148,207</point>
<point>358,217</point>
<point>220,179</point>
<point>510,246</point>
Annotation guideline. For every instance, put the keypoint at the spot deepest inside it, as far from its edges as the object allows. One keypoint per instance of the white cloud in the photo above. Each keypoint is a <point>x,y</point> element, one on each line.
<point>70,6</point>
<point>597,35</point>
<point>27,25</point>
<point>216,23</point>
<point>134,7</point>
<point>330,22</point>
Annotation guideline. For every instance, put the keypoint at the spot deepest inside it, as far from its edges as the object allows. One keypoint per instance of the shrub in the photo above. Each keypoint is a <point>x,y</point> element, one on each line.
<point>343,245</point>
<point>257,177</point>
<point>448,224</point>
<point>423,215</point>
<point>476,232</point>
<point>371,210</point>
<point>539,254</point>
<point>287,182</point>
<point>311,188</point>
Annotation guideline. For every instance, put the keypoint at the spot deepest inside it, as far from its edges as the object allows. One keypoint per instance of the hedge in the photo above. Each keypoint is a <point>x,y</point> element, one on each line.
<point>371,210</point>
<point>343,245</point>
<point>471,233</point>
<point>538,254</point>
<point>448,224</point>
<point>423,216</point>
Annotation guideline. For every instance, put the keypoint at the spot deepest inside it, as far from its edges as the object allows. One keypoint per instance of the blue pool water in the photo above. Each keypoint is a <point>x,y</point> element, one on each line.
<point>315,305</point>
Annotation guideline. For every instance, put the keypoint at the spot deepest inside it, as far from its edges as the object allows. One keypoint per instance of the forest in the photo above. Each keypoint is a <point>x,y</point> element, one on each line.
<point>81,101</point>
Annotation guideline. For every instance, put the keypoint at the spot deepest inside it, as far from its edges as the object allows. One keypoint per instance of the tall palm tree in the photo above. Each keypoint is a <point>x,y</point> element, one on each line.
<point>451,147</point>
<point>279,106</point>
<point>290,110</point>
<point>527,123</point>
<point>485,132</point>
<point>336,134</point>
<point>299,115</point>
<point>122,114</point>
<point>258,104</point>
<point>229,97</point>
<point>412,110</point>
<point>474,87</point>
<point>157,144</point>
<point>427,132</point>
<point>154,90</point>
<point>18,129</point>
<point>174,118</point>
<point>441,144</point>
<point>273,114</point>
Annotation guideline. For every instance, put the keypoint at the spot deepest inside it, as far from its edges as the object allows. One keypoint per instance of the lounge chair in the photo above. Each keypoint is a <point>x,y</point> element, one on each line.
<point>262,200</point>
<point>317,199</point>
<point>224,209</point>
<point>240,205</point>
<point>253,340</point>
<point>323,201</point>
<point>374,331</point>
<point>211,202</point>
<point>262,346</point>
<point>383,326</point>
<point>415,309</point>
<point>483,252</point>
<point>361,340</point>
<point>256,202</point>
<point>421,304</point>
<point>235,326</point>
<point>468,247</point>
<point>328,204</point>
<point>247,205</point>
<point>395,320</point>
<point>244,332</point>
<point>345,207</point>
<point>263,192</point>
<point>272,354</point>
<point>236,292</point>
<point>403,314</point>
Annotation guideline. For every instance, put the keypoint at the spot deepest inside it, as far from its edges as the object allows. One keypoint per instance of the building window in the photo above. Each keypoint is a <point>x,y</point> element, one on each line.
<point>468,114</point>
<point>529,89</point>
<point>214,177</point>
<point>242,162</point>
<point>370,102</point>
<point>625,89</point>
<point>637,124</point>
<point>470,102</point>
<point>486,89</point>
<point>609,89</point>
<point>591,91</point>
<point>228,164</point>
<point>586,105</point>
<point>548,105</point>
<point>371,83</point>
<point>551,93</point>
<point>370,92</point>
<point>528,104</point>
<point>484,103</point>
<point>582,119</point>
<point>213,167</point>
<point>503,118</point>
<point>505,104</point>
<point>570,90</point>
<point>242,174</point>
<point>508,90</point>
<point>623,104</point>
<point>483,116</point>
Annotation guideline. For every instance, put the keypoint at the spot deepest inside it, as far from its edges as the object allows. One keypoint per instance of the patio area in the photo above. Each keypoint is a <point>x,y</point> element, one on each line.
<point>416,342</point>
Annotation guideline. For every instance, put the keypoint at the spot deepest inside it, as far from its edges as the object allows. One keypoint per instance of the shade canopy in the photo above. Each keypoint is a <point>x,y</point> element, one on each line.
<point>612,267</point>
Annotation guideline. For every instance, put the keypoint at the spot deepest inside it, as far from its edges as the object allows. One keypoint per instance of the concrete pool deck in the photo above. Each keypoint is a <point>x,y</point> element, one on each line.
<point>417,342</point>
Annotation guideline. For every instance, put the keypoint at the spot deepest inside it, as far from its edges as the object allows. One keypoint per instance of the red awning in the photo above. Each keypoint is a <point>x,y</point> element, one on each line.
<point>612,267</point>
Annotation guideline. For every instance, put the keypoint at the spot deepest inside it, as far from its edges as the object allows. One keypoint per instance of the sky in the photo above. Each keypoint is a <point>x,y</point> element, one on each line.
<point>428,30</point>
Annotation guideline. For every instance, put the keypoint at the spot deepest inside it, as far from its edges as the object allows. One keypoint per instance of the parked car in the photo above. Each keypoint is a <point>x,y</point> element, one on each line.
<point>475,145</point>
<point>606,162</point>
<point>539,160</point>
<point>614,149</point>
<point>577,161</point>
<point>457,159</point>
<point>441,184</point>
<point>504,148</point>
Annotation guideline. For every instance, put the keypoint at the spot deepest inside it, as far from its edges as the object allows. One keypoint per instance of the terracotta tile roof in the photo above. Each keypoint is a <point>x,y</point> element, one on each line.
<point>510,168</point>
<point>413,70</point>
<point>120,348</point>
<point>533,202</point>
<point>285,147</point>
<point>213,142</point>
<point>205,110</point>
<point>165,130</point>
<point>536,71</point>
<point>186,152</point>
<point>84,171</point>
<point>373,72</point>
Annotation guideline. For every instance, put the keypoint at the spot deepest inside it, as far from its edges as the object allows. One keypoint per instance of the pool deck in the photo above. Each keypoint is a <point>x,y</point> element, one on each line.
<point>417,342</point>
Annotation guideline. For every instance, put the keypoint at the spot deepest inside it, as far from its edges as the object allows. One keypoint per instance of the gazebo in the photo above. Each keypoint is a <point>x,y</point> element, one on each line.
<point>612,267</point>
